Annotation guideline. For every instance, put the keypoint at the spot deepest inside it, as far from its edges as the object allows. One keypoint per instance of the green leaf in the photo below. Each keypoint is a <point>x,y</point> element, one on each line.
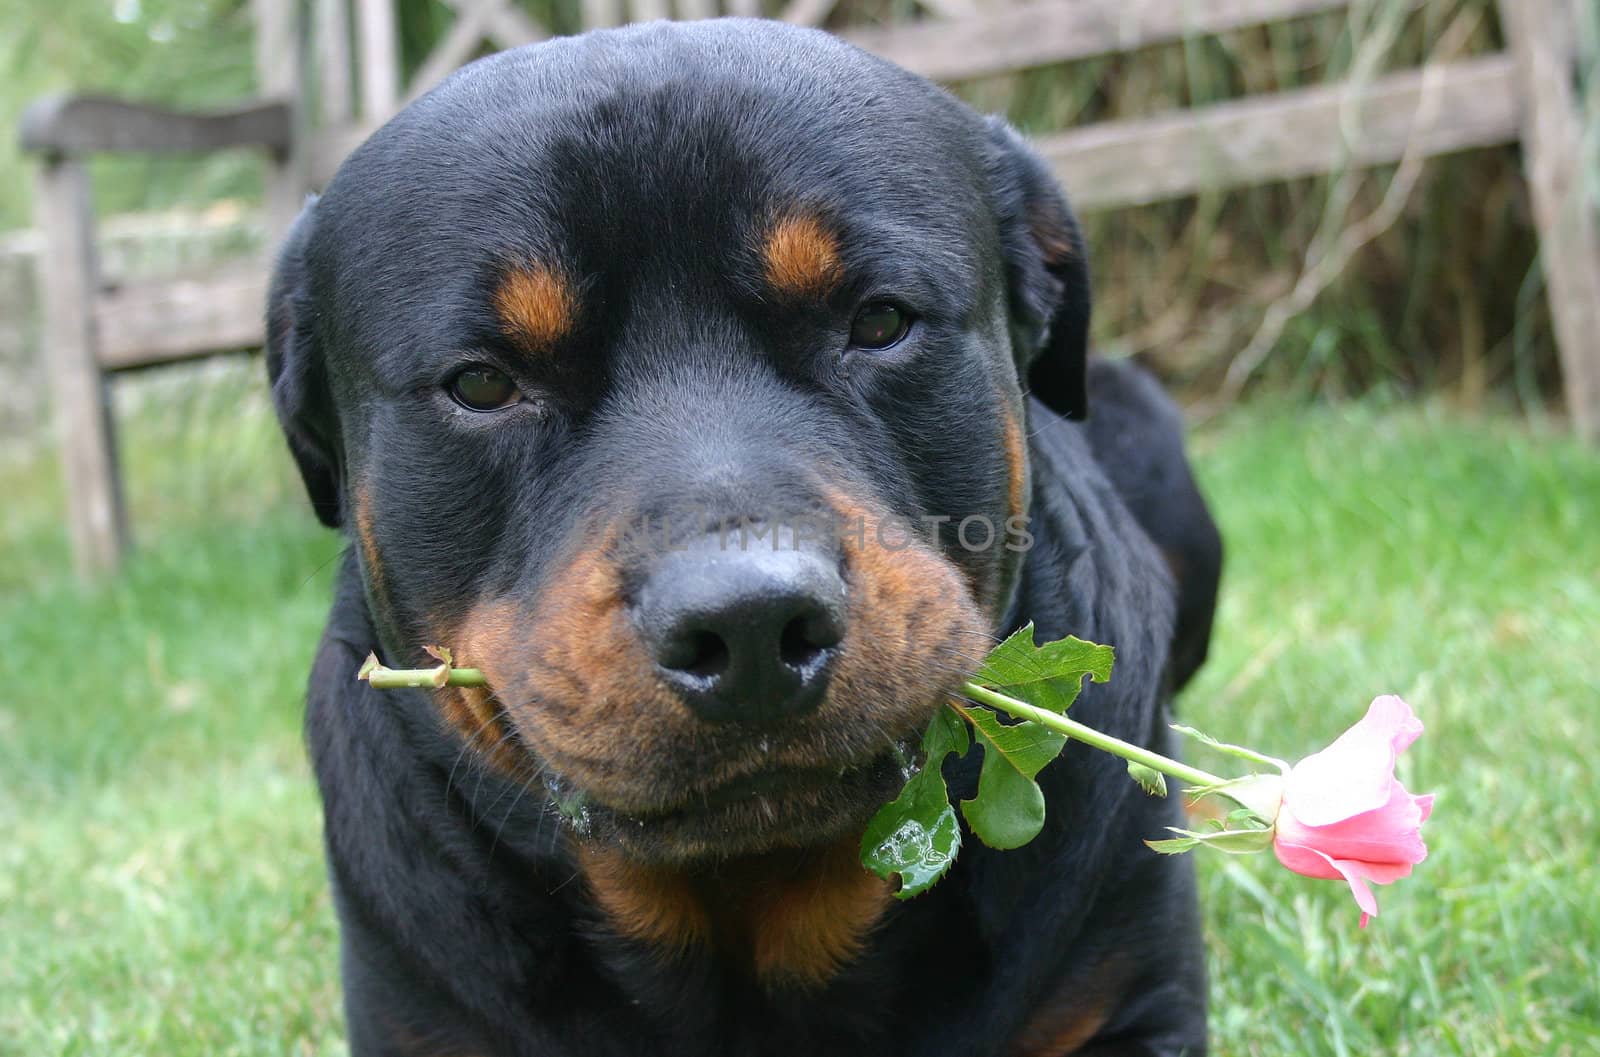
<point>1172,847</point>
<point>1150,780</point>
<point>1049,676</point>
<point>1008,811</point>
<point>916,837</point>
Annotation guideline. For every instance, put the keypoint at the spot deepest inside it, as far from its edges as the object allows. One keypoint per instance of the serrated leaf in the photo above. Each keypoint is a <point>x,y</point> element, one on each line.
<point>946,734</point>
<point>1049,676</point>
<point>1150,780</point>
<point>1008,810</point>
<point>916,836</point>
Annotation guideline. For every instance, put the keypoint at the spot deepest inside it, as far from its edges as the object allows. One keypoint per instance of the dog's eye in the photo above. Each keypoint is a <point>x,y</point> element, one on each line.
<point>879,325</point>
<point>480,388</point>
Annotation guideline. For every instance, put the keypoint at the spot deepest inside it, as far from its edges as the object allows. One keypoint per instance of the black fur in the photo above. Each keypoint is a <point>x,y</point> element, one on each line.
<point>646,159</point>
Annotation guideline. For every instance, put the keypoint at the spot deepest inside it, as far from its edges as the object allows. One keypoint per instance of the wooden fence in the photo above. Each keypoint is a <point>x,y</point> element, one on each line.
<point>312,115</point>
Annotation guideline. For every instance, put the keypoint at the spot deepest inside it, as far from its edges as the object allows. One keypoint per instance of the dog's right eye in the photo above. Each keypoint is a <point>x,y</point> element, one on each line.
<point>480,388</point>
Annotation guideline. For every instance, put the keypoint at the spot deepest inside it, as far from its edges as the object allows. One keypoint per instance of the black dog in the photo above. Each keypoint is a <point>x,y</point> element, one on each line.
<point>545,338</point>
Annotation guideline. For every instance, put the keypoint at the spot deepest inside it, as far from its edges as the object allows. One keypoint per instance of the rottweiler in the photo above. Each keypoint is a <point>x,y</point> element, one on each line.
<point>716,389</point>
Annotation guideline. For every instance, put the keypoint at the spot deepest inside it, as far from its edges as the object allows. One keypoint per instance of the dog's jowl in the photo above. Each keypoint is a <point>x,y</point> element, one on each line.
<point>716,389</point>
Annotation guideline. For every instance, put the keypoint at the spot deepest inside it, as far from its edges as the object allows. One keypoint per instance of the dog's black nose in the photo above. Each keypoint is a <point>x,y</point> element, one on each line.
<point>745,630</point>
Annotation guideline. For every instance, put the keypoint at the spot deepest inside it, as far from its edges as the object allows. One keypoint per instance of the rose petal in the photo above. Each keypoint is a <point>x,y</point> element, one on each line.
<point>1305,861</point>
<point>1389,834</point>
<point>1356,876</point>
<point>1354,774</point>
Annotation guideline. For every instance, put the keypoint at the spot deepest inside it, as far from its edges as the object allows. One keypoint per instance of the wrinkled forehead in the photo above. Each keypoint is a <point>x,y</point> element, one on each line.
<point>670,152</point>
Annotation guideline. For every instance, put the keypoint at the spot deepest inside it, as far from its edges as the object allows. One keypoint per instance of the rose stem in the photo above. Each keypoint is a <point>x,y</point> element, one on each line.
<point>1089,736</point>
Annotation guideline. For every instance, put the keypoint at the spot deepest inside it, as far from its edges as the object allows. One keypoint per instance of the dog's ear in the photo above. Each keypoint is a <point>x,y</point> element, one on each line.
<point>1047,273</point>
<point>298,375</point>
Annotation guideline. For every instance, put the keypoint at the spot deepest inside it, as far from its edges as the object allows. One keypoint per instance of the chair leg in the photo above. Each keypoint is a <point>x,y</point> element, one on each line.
<point>1569,233</point>
<point>68,279</point>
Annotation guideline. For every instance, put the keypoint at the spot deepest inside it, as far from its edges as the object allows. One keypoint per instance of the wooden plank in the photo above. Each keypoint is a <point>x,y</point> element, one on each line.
<point>745,8</point>
<point>275,48</point>
<point>649,10</point>
<point>601,14</point>
<point>1569,235</point>
<point>692,10</point>
<point>466,35</point>
<point>96,519</point>
<point>1450,107</point>
<point>74,126</point>
<point>334,61</point>
<point>160,322</point>
<point>378,53</point>
<point>1006,39</point>
<point>508,25</point>
<point>328,147</point>
<point>807,12</point>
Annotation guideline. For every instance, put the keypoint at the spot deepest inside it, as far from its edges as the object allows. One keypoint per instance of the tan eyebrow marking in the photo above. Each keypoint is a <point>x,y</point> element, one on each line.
<point>536,305</point>
<point>802,257</point>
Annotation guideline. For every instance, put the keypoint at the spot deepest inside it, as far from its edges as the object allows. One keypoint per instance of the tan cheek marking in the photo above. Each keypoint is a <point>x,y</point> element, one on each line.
<point>536,305</point>
<point>368,543</point>
<point>802,257</point>
<point>914,622</point>
<point>817,922</point>
<point>573,647</point>
<point>1016,464</point>
<point>473,711</point>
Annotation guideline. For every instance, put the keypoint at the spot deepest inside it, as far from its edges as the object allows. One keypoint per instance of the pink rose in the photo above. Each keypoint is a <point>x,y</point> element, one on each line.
<point>1345,815</point>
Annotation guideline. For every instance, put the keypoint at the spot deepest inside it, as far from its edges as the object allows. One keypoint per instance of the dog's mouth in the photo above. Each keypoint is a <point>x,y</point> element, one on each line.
<point>768,809</point>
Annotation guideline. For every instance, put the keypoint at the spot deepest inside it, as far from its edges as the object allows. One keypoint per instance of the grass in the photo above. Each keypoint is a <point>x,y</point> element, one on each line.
<point>161,883</point>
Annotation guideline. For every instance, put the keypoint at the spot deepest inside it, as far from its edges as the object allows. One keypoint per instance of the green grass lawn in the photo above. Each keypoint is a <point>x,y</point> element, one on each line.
<point>161,879</point>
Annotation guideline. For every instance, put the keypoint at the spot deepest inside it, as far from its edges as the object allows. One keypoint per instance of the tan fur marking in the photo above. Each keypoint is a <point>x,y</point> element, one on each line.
<point>802,257</point>
<point>368,544</point>
<point>472,710</point>
<point>1074,1015</point>
<point>579,686</point>
<point>816,922</point>
<point>647,904</point>
<point>1016,464</point>
<point>794,918</point>
<point>536,305</point>
<point>914,622</point>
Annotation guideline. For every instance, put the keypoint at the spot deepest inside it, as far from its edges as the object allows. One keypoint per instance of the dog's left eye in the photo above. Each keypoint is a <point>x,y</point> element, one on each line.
<point>879,325</point>
<point>480,388</point>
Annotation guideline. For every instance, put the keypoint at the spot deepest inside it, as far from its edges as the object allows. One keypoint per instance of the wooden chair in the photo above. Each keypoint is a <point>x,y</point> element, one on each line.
<point>312,113</point>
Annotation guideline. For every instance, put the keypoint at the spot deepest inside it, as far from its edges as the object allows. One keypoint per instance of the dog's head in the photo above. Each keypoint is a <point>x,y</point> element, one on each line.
<point>673,376</point>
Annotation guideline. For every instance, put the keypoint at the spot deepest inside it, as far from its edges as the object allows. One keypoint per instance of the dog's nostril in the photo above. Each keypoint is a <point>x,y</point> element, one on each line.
<point>700,653</point>
<point>806,638</point>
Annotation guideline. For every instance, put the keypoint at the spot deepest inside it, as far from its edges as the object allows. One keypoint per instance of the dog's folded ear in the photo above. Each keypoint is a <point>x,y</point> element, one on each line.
<point>298,377</point>
<point>1047,272</point>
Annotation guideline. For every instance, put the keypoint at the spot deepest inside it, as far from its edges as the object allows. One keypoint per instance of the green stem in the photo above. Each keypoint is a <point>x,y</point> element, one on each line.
<point>403,678</point>
<point>1089,736</point>
<point>399,678</point>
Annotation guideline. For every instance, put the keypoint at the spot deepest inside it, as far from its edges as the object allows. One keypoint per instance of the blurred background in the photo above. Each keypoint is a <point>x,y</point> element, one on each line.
<point>1363,339</point>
